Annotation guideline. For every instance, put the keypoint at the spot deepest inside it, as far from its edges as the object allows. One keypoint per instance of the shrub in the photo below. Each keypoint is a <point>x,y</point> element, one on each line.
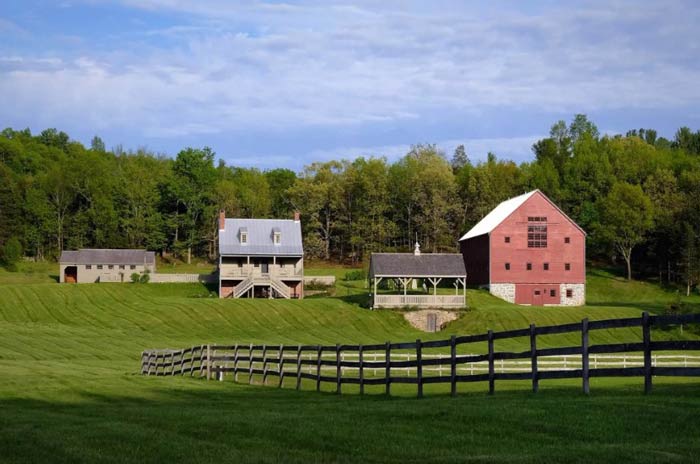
<point>145,277</point>
<point>11,253</point>
<point>355,274</point>
<point>135,277</point>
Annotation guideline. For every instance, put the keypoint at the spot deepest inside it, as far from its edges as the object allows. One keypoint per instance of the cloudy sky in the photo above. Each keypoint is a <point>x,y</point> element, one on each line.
<point>272,84</point>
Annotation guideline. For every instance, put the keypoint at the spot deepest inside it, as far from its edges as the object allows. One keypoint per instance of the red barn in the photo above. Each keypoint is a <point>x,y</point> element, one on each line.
<point>527,251</point>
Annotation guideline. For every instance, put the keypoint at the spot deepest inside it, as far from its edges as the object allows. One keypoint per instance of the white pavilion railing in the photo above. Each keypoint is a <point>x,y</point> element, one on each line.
<point>431,301</point>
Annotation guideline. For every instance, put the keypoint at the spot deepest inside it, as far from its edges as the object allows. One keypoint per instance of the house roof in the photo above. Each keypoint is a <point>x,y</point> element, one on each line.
<point>260,237</point>
<point>411,265</point>
<point>501,212</point>
<point>107,256</point>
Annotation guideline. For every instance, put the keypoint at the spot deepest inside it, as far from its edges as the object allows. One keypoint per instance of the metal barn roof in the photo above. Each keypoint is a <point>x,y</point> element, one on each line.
<point>260,237</point>
<point>411,265</point>
<point>497,215</point>
<point>107,256</point>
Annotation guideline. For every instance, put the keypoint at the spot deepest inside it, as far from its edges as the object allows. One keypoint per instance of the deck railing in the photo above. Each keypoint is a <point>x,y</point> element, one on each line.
<point>438,301</point>
<point>384,364</point>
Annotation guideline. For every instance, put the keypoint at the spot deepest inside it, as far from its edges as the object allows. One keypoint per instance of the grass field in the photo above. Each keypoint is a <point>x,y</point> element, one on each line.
<point>69,391</point>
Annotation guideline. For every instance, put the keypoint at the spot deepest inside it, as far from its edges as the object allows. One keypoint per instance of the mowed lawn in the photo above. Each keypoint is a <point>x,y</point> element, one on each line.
<point>70,391</point>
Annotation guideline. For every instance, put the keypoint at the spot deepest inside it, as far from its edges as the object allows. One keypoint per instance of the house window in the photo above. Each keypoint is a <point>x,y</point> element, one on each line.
<point>244,238</point>
<point>567,266</point>
<point>99,266</point>
<point>121,266</point>
<point>240,263</point>
<point>507,239</point>
<point>277,238</point>
<point>567,239</point>
<point>552,293</point>
<point>546,266</point>
<point>569,293</point>
<point>507,266</point>
<point>111,266</point>
<point>88,266</point>
<point>528,266</point>
<point>537,232</point>
<point>132,267</point>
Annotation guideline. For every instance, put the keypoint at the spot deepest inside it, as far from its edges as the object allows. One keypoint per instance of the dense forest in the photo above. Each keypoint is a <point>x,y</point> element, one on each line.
<point>637,195</point>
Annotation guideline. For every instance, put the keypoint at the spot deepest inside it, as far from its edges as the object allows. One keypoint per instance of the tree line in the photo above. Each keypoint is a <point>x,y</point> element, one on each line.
<point>636,195</point>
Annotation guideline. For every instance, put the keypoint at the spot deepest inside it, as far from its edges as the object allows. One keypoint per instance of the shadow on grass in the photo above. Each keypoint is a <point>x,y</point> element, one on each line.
<point>189,421</point>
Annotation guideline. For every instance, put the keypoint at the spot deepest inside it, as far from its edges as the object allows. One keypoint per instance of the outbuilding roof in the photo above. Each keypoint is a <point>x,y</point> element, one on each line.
<point>412,265</point>
<point>107,256</point>
<point>260,239</point>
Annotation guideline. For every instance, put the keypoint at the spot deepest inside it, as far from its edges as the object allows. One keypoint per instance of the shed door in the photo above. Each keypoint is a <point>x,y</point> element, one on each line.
<point>537,297</point>
<point>71,275</point>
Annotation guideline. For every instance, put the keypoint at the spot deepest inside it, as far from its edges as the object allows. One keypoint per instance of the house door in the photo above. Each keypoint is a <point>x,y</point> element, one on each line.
<point>537,297</point>
<point>265,268</point>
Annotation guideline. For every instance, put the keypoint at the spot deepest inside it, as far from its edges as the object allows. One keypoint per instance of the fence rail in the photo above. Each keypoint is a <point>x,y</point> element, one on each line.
<point>409,363</point>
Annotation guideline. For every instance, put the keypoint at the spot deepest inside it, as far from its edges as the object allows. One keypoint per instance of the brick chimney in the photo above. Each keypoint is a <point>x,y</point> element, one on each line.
<point>222,219</point>
<point>296,216</point>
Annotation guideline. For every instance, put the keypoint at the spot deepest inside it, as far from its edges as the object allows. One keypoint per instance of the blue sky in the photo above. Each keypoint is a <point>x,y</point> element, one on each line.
<point>275,84</point>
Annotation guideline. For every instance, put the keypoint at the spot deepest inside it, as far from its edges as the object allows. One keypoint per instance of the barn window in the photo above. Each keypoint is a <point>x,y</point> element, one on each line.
<point>507,239</point>
<point>552,293</point>
<point>528,266</point>
<point>546,266</point>
<point>537,232</point>
<point>569,293</point>
<point>567,266</point>
<point>99,266</point>
<point>567,239</point>
<point>88,266</point>
<point>507,266</point>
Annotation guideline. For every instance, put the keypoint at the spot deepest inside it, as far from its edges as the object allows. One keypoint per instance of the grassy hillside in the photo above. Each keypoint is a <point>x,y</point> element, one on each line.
<point>69,391</point>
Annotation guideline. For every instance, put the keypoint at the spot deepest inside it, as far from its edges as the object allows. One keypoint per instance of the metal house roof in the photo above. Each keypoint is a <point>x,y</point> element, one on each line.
<point>260,237</point>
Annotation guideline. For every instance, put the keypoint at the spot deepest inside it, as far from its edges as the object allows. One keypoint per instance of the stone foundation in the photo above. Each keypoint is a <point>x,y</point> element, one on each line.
<point>419,319</point>
<point>503,291</point>
<point>579,294</point>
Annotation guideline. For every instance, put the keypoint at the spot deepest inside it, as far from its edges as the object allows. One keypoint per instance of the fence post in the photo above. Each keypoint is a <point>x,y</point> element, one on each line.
<point>250,364</point>
<point>338,370</point>
<point>281,366</point>
<point>419,367</point>
<point>585,366</point>
<point>646,336</point>
<point>208,361</point>
<point>453,365</point>
<point>298,386</point>
<point>533,358</point>
<point>319,356</point>
<point>387,362</point>
<point>362,371</point>
<point>264,380</point>
<point>235,363</point>
<point>492,380</point>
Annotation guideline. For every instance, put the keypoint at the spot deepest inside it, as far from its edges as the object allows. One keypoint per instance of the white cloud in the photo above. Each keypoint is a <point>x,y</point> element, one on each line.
<point>275,66</point>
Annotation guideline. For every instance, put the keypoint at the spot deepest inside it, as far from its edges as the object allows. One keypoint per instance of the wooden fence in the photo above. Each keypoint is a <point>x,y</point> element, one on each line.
<point>380,364</point>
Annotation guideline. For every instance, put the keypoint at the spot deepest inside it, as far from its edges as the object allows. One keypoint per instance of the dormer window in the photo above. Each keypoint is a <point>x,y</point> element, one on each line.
<point>243,235</point>
<point>276,236</point>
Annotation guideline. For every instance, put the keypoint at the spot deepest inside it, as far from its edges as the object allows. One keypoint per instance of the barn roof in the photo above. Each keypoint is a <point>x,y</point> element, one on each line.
<point>497,215</point>
<point>411,265</point>
<point>260,237</point>
<point>501,212</point>
<point>107,256</point>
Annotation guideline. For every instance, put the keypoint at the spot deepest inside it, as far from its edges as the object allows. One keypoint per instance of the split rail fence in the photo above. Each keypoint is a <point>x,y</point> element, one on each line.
<point>383,364</point>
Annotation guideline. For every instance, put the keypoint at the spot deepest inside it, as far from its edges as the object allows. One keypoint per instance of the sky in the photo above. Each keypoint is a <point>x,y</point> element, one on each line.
<point>273,84</point>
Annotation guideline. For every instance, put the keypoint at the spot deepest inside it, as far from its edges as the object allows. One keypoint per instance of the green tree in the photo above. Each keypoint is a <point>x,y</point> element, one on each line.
<point>627,215</point>
<point>96,144</point>
<point>11,253</point>
<point>280,181</point>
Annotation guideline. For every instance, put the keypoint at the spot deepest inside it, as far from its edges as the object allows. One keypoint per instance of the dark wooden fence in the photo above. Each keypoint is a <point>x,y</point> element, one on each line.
<point>313,362</point>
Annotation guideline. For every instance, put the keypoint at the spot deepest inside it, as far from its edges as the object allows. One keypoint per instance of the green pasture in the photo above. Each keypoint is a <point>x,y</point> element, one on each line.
<point>70,391</point>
